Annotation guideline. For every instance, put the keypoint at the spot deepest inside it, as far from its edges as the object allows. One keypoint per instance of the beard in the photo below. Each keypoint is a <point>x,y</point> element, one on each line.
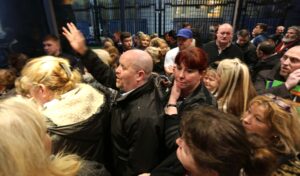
<point>287,40</point>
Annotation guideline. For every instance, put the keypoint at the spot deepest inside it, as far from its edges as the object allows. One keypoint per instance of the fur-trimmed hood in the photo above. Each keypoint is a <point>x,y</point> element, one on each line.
<point>74,106</point>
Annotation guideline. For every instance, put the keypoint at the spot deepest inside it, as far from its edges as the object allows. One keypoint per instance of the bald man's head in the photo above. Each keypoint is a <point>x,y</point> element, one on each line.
<point>140,60</point>
<point>134,70</point>
<point>290,61</point>
<point>224,34</point>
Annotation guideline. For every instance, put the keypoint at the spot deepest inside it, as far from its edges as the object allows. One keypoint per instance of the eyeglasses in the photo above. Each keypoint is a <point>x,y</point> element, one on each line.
<point>279,102</point>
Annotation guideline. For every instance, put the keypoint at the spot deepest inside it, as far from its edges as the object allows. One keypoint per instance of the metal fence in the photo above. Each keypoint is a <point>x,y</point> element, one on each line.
<point>102,17</point>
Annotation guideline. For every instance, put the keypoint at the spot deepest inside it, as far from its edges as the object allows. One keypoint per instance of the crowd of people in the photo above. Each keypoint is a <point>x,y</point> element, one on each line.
<point>144,105</point>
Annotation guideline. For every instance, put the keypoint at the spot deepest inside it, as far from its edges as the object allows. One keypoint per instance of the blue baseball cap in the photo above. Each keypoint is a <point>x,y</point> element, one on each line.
<point>185,33</point>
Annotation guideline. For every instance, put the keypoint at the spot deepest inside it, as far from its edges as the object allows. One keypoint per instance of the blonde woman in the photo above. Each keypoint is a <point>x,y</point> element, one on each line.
<point>158,49</point>
<point>235,87</point>
<point>76,112</point>
<point>144,41</point>
<point>25,147</point>
<point>277,121</point>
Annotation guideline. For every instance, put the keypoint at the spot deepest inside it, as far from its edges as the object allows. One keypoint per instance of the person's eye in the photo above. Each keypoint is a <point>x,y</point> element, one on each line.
<point>258,118</point>
<point>190,70</point>
<point>294,60</point>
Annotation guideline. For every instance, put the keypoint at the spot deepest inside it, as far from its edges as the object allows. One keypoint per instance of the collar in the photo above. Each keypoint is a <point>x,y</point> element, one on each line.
<point>220,49</point>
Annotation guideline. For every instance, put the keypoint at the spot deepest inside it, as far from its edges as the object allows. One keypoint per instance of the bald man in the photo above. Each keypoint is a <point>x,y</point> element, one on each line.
<point>286,74</point>
<point>222,47</point>
<point>137,111</point>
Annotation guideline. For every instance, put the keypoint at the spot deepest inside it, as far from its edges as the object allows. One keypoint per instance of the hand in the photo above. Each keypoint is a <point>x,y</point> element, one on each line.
<point>75,38</point>
<point>175,93</point>
<point>293,79</point>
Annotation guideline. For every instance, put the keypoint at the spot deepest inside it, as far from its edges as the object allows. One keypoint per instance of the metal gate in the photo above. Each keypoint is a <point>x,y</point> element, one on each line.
<point>102,17</point>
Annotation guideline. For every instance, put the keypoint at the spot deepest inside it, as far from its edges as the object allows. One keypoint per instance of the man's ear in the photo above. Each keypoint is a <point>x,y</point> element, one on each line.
<point>141,75</point>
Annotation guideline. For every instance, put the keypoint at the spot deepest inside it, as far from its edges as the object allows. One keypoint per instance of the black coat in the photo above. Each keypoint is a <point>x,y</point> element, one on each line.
<point>137,131</point>
<point>270,75</point>
<point>228,53</point>
<point>86,138</point>
<point>171,166</point>
<point>136,121</point>
<point>266,64</point>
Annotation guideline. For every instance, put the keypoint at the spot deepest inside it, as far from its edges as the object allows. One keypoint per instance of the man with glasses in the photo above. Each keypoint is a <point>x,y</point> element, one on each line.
<point>222,47</point>
<point>283,79</point>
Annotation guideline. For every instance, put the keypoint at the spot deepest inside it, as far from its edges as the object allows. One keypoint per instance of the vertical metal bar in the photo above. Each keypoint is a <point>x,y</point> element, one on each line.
<point>122,14</point>
<point>159,17</point>
<point>236,13</point>
<point>96,21</point>
<point>49,10</point>
<point>136,20</point>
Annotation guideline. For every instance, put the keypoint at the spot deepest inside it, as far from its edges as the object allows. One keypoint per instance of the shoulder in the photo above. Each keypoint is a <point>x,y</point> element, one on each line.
<point>172,52</point>
<point>288,167</point>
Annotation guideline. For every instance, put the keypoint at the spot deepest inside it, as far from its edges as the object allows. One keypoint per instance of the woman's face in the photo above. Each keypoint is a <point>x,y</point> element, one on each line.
<point>187,79</point>
<point>255,121</point>
<point>184,156</point>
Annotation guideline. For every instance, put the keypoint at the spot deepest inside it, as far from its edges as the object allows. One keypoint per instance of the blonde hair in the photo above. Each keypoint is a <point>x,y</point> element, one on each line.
<point>53,72</point>
<point>284,123</point>
<point>22,143</point>
<point>211,72</point>
<point>155,53</point>
<point>103,55</point>
<point>114,54</point>
<point>235,87</point>
<point>144,36</point>
<point>156,42</point>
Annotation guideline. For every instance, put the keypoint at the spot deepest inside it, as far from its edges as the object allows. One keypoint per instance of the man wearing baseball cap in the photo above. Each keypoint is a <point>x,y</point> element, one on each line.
<point>184,40</point>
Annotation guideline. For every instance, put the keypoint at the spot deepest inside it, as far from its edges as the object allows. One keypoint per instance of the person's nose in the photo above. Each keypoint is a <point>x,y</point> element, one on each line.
<point>181,73</point>
<point>246,119</point>
<point>179,141</point>
<point>118,69</point>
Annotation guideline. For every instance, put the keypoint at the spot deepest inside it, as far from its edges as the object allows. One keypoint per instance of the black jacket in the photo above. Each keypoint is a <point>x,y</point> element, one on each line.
<point>266,64</point>
<point>87,137</point>
<point>270,75</point>
<point>228,53</point>
<point>171,166</point>
<point>136,127</point>
<point>136,121</point>
<point>249,52</point>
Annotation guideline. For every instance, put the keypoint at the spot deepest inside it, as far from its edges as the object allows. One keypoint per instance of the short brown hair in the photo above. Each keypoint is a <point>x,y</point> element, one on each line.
<point>193,58</point>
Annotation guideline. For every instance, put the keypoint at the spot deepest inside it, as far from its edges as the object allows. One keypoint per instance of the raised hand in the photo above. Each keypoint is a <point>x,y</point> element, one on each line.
<point>293,79</point>
<point>175,93</point>
<point>75,38</point>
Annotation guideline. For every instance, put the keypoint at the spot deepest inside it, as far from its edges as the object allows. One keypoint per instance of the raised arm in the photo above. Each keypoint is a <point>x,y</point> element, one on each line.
<point>75,38</point>
<point>100,71</point>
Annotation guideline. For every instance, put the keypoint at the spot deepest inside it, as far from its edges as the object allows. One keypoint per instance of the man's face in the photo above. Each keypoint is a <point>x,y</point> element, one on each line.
<point>183,43</point>
<point>51,47</point>
<point>126,74</point>
<point>224,35</point>
<point>242,40</point>
<point>279,30</point>
<point>290,61</point>
<point>290,36</point>
<point>127,43</point>
<point>256,31</point>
